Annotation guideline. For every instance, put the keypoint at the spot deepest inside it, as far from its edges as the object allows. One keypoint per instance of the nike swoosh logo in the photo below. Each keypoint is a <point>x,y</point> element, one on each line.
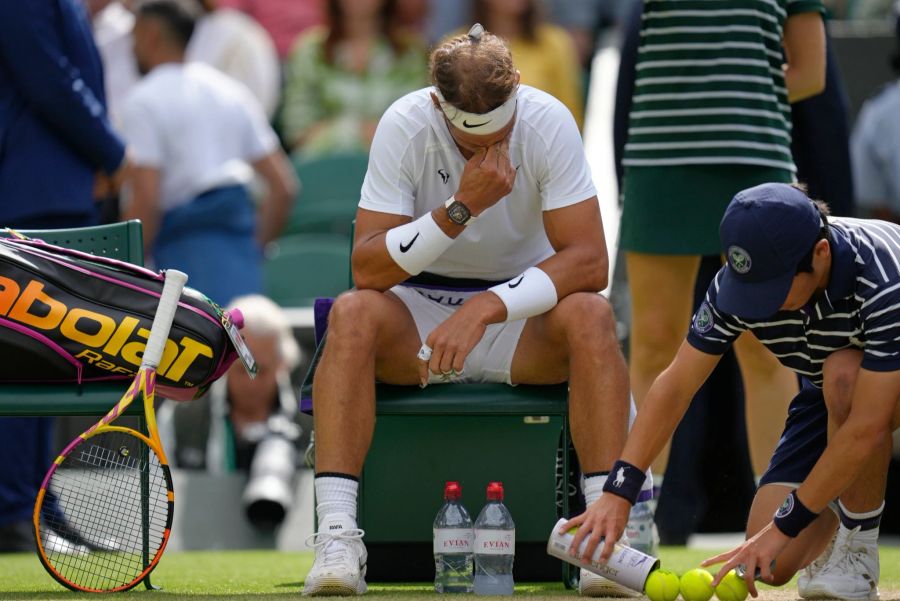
<point>471,125</point>
<point>516,284</point>
<point>406,247</point>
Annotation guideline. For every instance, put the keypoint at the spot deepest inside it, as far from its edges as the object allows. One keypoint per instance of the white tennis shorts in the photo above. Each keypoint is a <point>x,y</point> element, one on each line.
<point>490,360</point>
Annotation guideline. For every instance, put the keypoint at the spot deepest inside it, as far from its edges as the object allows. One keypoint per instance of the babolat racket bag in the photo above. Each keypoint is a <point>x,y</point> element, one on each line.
<point>68,316</point>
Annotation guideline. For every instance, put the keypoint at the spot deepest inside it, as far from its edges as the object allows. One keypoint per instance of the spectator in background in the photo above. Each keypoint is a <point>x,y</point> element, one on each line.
<point>446,17</point>
<point>194,134</point>
<point>583,19</point>
<point>246,424</point>
<point>238,46</point>
<point>875,149</point>
<point>283,19</point>
<point>820,141</point>
<point>340,78</point>
<point>413,15</point>
<point>710,116</point>
<point>112,22</point>
<point>58,152</point>
<point>544,53</point>
<point>219,432</point>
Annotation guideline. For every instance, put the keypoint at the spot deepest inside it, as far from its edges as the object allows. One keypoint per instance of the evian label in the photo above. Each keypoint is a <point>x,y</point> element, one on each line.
<point>453,540</point>
<point>495,542</point>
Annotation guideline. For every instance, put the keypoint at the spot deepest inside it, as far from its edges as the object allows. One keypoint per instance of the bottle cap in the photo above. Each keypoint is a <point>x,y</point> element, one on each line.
<point>495,491</point>
<point>452,491</point>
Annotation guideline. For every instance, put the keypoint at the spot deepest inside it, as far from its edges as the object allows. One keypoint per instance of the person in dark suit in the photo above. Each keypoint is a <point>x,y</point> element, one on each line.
<point>58,152</point>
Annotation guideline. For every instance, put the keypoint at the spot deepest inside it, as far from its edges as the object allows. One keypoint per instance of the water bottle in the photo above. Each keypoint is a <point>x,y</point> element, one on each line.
<point>453,543</point>
<point>641,530</point>
<point>495,545</point>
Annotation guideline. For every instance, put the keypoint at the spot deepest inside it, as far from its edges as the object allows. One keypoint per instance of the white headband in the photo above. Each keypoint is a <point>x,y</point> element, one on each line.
<point>480,123</point>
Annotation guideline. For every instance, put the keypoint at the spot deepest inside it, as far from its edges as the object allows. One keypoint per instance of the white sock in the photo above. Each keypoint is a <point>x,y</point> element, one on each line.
<point>866,520</point>
<point>335,495</point>
<point>592,487</point>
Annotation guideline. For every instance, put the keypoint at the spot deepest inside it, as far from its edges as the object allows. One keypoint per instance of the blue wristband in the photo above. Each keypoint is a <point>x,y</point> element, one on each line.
<point>793,516</point>
<point>625,480</point>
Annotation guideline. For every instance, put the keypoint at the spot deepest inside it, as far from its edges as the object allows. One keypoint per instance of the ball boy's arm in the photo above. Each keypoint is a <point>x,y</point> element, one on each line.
<point>666,403</point>
<point>659,414</point>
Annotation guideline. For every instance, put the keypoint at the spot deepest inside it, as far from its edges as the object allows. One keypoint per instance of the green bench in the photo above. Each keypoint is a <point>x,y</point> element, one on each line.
<point>473,433</point>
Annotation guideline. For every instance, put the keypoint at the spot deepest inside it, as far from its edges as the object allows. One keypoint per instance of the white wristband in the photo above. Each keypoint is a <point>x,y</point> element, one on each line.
<point>415,245</point>
<point>527,295</point>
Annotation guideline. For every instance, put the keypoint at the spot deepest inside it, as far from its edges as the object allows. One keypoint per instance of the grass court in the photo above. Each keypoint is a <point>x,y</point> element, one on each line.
<point>276,576</point>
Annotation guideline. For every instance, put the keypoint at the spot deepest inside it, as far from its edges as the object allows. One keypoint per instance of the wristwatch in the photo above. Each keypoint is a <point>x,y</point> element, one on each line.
<point>457,211</point>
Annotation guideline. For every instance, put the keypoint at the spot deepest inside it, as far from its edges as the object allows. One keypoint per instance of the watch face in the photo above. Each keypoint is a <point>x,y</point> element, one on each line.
<point>458,213</point>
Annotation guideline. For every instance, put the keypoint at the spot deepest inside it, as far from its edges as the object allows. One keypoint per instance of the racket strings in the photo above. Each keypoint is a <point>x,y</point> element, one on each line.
<point>104,513</point>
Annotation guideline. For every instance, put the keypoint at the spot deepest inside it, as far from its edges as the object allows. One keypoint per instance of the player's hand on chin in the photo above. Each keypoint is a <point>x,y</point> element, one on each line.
<point>757,552</point>
<point>452,341</point>
<point>605,519</point>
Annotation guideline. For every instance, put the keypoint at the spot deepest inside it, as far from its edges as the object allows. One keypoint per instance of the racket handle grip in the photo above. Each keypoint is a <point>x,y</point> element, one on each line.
<point>165,315</point>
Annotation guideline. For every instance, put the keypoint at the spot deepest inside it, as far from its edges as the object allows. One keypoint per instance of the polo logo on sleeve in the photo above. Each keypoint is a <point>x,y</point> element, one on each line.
<point>739,259</point>
<point>445,177</point>
<point>703,320</point>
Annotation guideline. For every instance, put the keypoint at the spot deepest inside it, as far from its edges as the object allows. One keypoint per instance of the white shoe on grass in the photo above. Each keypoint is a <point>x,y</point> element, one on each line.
<point>852,571</point>
<point>809,572</point>
<point>339,568</point>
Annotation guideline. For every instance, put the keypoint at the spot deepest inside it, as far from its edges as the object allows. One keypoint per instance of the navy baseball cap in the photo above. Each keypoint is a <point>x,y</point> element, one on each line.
<point>765,232</point>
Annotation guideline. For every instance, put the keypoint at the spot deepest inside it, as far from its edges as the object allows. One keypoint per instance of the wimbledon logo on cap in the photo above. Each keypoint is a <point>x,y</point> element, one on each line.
<point>739,259</point>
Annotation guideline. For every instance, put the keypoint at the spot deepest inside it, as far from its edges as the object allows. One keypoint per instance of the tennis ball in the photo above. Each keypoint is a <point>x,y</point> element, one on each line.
<point>696,585</point>
<point>662,585</point>
<point>732,588</point>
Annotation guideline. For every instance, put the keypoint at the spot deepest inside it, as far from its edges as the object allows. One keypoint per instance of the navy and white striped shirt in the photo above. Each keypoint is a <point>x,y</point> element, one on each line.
<point>860,307</point>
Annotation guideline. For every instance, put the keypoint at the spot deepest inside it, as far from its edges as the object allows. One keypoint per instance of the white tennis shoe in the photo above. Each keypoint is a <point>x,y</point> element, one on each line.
<point>55,544</point>
<point>339,568</point>
<point>809,572</point>
<point>852,571</point>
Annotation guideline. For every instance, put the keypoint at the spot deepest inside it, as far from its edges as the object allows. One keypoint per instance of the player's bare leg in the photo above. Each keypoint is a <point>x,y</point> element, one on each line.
<point>369,333</point>
<point>576,341</point>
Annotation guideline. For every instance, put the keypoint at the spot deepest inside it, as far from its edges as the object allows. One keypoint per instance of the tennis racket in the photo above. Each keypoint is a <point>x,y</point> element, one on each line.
<point>104,511</point>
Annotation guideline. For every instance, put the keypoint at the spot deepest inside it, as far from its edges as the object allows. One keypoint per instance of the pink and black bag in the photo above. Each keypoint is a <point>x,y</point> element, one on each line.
<point>68,316</point>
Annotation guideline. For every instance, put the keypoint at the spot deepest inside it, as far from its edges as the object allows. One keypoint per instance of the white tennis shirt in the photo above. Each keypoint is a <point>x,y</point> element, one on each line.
<point>201,128</point>
<point>415,166</point>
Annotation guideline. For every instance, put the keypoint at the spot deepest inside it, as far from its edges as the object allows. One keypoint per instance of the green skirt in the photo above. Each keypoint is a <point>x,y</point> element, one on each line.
<point>677,210</point>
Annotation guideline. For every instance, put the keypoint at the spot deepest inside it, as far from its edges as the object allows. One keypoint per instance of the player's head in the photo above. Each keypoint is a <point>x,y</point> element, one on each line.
<point>777,245</point>
<point>162,31</point>
<point>475,87</point>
